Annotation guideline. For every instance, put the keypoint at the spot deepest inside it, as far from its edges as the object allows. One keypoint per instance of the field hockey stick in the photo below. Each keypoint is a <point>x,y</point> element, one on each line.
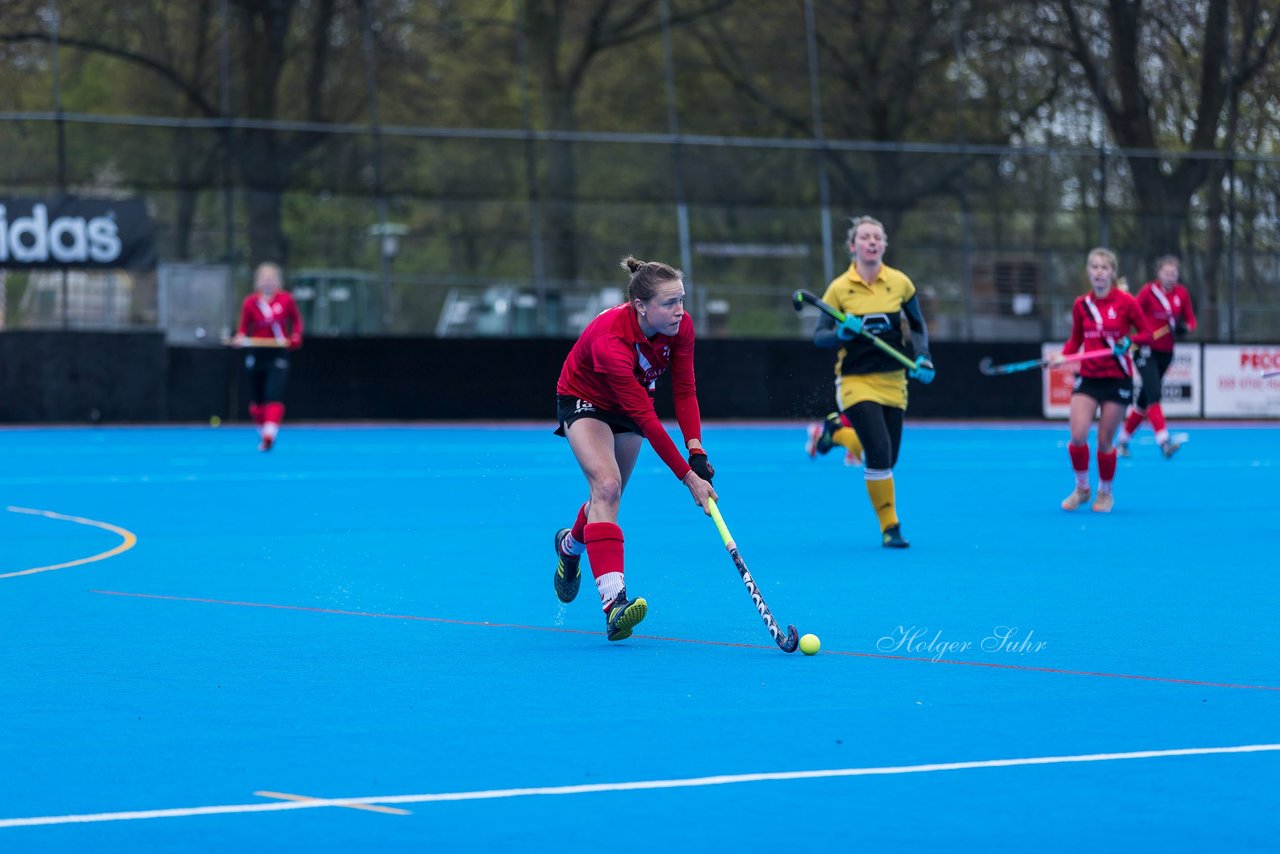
<point>791,639</point>
<point>993,370</point>
<point>801,297</point>
<point>255,342</point>
<point>1266,375</point>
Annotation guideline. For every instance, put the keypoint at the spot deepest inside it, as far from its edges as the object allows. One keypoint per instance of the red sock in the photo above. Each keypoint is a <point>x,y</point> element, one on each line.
<point>1106,465</point>
<point>1133,420</point>
<point>273,412</point>
<point>604,547</point>
<point>1079,457</point>
<point>256,413</point>
<point>579,529</point>
<point>1156,414</point>
<point>1080,464</point>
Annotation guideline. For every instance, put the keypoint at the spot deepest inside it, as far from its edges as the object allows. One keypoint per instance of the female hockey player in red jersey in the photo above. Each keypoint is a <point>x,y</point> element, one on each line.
<point>604,402</point>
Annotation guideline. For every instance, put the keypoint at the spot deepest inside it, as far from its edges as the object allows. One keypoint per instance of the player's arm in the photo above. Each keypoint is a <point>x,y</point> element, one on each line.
<point>824,331</point>
<point>1188,313</point>
<point>698,483</point>
<point>295,324</point>
<point>1145,333</point>
<point>1076,340</point>
<point>915,320</point>
<point>1150,305</point>
<point>684,391</point>
<point>924,370</point>
<point>246,318</point>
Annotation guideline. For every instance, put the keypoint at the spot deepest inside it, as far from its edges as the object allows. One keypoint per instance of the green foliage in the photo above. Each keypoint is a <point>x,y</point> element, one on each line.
<point>967,127</point>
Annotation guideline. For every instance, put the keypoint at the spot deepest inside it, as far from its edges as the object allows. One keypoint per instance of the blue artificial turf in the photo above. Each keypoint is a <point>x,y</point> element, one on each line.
<point>368,611</point>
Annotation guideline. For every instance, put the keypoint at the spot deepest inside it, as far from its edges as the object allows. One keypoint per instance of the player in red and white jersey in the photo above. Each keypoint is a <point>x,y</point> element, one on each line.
<point>1167,305</point>
<point>270,326</point>
<point>1104,320</point>
<point>605,408</point>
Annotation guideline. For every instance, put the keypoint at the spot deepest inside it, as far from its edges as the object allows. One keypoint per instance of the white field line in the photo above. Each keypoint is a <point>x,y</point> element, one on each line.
<point>493,794</point>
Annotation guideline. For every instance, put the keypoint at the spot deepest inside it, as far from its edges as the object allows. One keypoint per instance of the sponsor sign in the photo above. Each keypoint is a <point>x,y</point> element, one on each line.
<point>103,234</point>
<point>1057,383</point>
<point>1233,382</point>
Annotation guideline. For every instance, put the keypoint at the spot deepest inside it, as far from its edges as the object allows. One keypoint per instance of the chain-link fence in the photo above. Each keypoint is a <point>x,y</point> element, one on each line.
<point>485,223</point>
<point>1003,259</point>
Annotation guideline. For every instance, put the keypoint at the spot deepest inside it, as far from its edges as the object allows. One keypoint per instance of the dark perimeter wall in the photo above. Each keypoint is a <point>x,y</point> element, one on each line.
<point>79,377</point>
<point>83,377</point>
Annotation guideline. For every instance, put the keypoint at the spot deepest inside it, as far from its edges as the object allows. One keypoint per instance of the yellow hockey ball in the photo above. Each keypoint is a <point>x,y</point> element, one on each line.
<point>214,421</point>
<point>809,644</point>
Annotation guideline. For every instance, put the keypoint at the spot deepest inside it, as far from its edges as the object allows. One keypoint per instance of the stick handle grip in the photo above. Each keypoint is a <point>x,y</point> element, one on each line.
<point>720,525</point>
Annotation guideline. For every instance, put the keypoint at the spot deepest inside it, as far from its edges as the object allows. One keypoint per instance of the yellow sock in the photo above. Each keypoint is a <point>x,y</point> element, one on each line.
<point>847,437</point>
<point>882,499</point>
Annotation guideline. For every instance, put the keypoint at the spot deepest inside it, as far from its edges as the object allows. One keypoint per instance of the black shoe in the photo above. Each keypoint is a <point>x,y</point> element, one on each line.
<point>893,538</point>
<point>819,435</point>
<point>1169,448</point>
<point>567,575</point>
<point>624,615</point>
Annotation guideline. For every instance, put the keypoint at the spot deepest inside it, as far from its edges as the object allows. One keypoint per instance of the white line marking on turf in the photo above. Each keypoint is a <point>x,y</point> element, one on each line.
<point>286,796</point>
<point>130,540</point>
<point>492,794</point>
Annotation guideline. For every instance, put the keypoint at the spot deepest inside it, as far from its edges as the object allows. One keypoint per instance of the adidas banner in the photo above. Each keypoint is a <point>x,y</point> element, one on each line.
<point>74,232</point>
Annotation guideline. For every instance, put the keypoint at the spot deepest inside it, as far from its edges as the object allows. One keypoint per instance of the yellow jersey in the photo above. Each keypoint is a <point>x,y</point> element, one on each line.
<point>879,304</point>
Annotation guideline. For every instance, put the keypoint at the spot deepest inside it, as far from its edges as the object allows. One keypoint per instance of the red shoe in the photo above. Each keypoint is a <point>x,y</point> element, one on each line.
<point>266,443</point>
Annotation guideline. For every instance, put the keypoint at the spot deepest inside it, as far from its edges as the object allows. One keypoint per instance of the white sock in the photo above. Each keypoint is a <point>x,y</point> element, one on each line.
<point>270,429</point>
<point>1162,436</point>
<point>1124,437</point>
<point>570,546</point>
<point>1082,479</point>
<point>1104,486</point>
<point>610,585</point>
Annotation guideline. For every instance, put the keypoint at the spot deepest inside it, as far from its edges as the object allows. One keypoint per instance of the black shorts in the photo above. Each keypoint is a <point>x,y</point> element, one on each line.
<point>268,370</point>
<point>569,409</point>
<point>1105,389</point>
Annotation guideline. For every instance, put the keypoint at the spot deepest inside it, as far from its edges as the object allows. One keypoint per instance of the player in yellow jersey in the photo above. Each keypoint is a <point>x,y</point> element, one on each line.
<point>871,387</point>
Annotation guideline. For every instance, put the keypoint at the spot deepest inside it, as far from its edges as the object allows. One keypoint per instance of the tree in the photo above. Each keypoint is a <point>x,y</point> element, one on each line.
<point>294,60</point>
<point>890,71</point>
<point>1168,77</point>
<point>565,39</point>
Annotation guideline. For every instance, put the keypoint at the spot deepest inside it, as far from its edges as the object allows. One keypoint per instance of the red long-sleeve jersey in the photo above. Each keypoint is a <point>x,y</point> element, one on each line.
<point>614,366</point>
<point>1098,323</point>
<point>276,318</point>
<point>1175,306</point>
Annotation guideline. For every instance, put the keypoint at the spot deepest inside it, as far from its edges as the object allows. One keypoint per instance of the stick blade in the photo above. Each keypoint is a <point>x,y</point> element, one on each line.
<point>991,370</point>
<point>792,642</point>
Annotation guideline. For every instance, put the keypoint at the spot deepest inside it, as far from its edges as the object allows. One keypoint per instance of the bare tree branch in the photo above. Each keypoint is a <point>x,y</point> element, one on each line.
<point>166,72</point>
